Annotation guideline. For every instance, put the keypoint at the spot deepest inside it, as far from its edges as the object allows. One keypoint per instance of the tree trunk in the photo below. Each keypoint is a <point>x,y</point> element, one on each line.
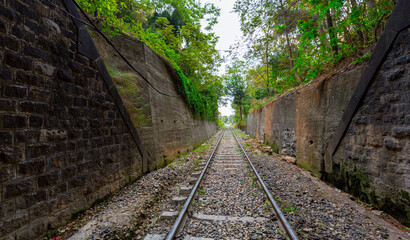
<point>240,110</point>
<point>287,36</point>
<point>360,33</point>
<point>267,69</point>
<point>289,49</point>
<point>332,33</point>
<point>371,3</point>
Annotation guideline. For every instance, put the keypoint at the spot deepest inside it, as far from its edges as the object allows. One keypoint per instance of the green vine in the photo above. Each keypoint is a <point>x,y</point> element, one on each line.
<point>193,97</point>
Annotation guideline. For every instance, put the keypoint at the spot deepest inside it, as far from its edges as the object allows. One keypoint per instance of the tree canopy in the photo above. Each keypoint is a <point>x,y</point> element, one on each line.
<point>172,28</point>
<point>236,88</point>
<point>290,42</point>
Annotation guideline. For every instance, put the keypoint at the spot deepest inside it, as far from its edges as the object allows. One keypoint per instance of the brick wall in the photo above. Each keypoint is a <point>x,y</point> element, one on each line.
<point>372,160</point>
<point>63,141</point>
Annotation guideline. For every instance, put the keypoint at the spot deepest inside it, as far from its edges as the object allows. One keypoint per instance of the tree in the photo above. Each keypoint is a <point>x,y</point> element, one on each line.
<point>172,28</point>
<point>235,87</point>
<point>291,42</point>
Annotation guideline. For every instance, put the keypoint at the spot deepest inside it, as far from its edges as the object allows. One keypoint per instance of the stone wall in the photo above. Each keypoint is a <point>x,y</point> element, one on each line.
<point>372,160</point>
<point>169,127</point>
<point>66,139</point>
<point>63,143</point>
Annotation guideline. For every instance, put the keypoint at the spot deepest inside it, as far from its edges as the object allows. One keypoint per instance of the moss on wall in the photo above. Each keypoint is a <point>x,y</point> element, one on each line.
<point>397,204</point>
<point>127,85</point>
<point>359,183</point>
<point>314,171</point>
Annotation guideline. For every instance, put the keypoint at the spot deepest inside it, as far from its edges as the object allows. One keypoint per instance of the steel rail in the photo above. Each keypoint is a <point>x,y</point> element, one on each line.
<point>285,224</point>
<point>184,210</point>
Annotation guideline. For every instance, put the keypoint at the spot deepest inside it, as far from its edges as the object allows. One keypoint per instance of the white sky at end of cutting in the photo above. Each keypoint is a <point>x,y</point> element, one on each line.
<point>228,30</point>
<point>226,110</point>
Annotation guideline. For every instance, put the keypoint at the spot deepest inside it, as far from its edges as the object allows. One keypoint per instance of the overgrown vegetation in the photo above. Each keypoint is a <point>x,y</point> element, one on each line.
<point>172,28</point>
<point>287,43</point>
<point>290,42</point>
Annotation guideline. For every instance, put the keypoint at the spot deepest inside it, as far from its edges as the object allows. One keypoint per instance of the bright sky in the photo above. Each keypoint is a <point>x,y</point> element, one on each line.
<point>228,30</point>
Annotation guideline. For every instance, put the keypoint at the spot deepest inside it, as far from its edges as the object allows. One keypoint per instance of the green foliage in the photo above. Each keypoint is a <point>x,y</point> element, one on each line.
<point>172,28</point>
<point>240,123</point>
<point>293,41</point>
<point>236,89</point>
<point>199,107</point>
<point>362,58</point>
<point>220,123</point>
<point>289,209</point>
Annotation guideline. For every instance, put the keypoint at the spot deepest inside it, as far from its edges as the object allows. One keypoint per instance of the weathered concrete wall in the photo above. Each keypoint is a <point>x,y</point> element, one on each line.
<point>251,124</point>
<point>169,127</point>
<point>280,123</point>
<point>320,106</point>
<point>261,121</point>
<point>303,120</point>
<point>63,141</point>
<point>372,160</point>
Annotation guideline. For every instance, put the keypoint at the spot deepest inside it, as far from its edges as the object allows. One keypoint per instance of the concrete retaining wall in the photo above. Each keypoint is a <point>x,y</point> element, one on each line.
<point>300,122</point>
<point>372,159</point>
<point>280,123</point>
<point>169,127</point>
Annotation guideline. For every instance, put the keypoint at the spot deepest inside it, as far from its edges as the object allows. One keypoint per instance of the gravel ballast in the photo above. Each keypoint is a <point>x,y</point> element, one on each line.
<point>314,210</point>
<point>230,189</point>
<point>128,213</point>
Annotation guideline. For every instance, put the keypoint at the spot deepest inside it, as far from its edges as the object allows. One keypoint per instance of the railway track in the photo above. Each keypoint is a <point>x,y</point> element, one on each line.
<point>225,199</point>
